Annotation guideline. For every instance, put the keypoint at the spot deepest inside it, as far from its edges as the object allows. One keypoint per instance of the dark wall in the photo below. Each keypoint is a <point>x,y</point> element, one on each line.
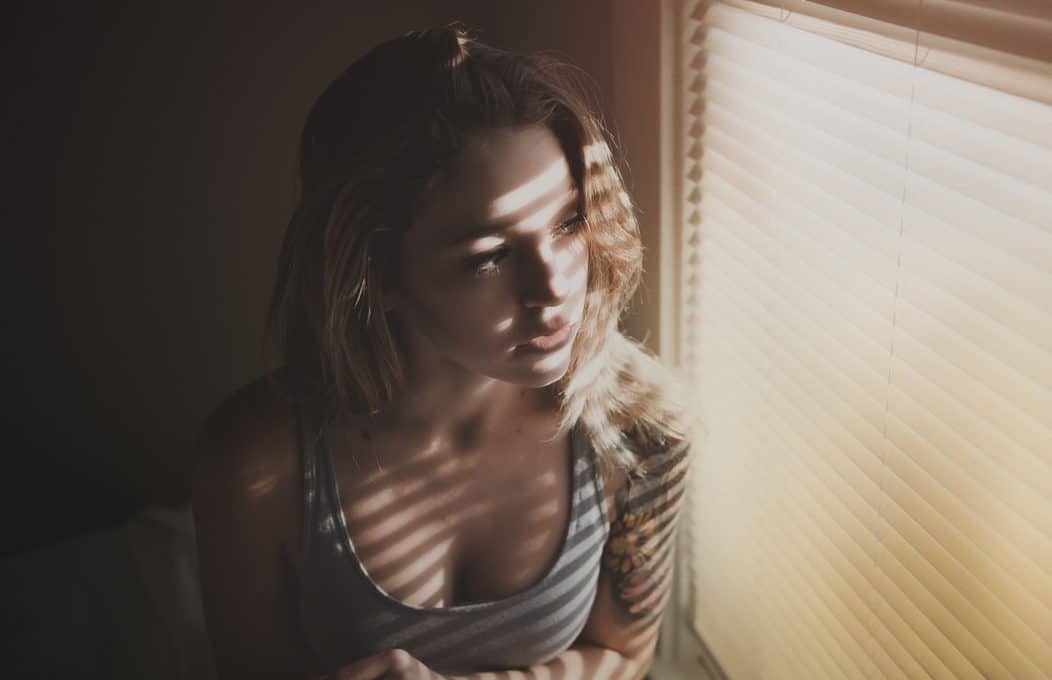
<point>149,153</point>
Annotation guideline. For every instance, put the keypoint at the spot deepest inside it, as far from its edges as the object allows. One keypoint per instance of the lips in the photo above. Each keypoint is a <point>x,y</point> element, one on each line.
<point>545,333</point>
<point>549,342</point>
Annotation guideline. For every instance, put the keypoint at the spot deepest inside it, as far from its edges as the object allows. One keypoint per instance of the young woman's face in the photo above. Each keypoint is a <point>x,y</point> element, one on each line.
<point>496,257</point>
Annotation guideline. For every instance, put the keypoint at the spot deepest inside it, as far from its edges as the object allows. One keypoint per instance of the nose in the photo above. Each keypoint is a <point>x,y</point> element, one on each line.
<point>546,281</point>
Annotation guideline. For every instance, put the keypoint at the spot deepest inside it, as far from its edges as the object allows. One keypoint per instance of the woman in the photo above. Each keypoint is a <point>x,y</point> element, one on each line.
<point>462,466</point>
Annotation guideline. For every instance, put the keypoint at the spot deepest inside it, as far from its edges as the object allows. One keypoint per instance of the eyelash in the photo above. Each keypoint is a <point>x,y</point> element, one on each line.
<point>485,265</point>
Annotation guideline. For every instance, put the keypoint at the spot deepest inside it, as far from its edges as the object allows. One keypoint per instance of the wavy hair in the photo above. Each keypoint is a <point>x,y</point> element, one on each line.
<point>372,143</point>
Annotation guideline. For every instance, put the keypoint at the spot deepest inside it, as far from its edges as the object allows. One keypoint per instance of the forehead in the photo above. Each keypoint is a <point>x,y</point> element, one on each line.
<point>502,176</point>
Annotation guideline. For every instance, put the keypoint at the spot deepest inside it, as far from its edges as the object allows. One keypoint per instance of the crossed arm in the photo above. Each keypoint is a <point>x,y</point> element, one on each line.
<point>620,636</point>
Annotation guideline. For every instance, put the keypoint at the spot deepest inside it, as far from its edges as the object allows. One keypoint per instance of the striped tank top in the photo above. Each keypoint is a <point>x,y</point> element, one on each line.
<point>345,616</point>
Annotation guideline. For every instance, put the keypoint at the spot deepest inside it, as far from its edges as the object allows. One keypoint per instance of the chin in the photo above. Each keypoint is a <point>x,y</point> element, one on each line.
<point>541,371</point>
<point>539,381</point>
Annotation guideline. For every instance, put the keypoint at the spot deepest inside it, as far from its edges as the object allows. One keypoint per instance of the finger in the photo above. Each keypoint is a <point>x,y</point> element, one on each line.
<point>404,666</point>
<point>388,663</point>
<point>370,668</point>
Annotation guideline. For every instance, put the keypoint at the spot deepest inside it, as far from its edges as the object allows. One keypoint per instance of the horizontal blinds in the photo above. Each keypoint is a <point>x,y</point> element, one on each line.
<point>868,292</point>
<point>1003,44</point>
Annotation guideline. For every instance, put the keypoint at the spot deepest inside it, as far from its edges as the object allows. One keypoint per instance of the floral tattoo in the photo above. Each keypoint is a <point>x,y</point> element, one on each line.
<point>639,552</point>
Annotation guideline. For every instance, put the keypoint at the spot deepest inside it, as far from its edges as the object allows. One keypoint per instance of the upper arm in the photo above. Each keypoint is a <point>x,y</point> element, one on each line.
<point>243,499</point>
<point>637,564</point>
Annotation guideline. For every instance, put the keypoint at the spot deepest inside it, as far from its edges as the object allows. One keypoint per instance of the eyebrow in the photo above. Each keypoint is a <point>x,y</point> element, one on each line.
<point>572,199</point>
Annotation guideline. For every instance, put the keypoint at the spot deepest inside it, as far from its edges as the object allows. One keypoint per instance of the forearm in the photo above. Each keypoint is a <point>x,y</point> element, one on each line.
<point>579,662</point>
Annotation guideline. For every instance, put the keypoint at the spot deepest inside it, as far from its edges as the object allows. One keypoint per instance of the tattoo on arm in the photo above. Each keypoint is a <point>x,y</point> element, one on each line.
<point>639,552</point>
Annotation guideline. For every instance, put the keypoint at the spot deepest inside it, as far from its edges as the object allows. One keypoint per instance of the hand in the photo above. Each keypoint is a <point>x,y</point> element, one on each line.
<point>391,664</point>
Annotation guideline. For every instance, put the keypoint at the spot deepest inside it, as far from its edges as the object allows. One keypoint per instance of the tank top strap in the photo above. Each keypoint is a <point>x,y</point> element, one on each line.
<point>596,466</point>
<point>600,486</point>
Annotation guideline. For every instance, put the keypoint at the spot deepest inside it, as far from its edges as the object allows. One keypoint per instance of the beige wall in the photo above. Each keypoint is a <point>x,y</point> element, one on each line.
<point>153,152</point>
<point>635,68</point>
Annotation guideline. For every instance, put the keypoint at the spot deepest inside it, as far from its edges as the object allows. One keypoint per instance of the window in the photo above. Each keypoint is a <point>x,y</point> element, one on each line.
<point>865,310</point>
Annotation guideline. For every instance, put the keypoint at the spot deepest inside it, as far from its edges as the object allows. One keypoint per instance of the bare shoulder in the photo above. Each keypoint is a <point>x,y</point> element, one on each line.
<point>245,512</point>
<point>246,450</point>
<point>662,469</point>
<point>256,412</point>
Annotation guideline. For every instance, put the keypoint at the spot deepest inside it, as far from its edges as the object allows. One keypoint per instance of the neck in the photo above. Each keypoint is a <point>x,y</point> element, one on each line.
<point>444,403</point>
<point>471,412</point>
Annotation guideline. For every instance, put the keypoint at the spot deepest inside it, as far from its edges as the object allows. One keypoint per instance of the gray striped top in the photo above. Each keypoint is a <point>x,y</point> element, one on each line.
<point>345,615</point>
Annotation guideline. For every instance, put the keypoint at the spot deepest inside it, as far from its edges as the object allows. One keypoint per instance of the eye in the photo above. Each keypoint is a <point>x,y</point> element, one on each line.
<point>487,264</point>
<point>571,225</point>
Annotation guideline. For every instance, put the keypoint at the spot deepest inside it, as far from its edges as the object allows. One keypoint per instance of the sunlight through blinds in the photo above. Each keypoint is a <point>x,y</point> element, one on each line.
<point>867,246</point>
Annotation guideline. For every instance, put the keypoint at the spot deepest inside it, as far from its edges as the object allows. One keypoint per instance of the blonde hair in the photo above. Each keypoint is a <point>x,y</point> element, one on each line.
<point>372,143</point>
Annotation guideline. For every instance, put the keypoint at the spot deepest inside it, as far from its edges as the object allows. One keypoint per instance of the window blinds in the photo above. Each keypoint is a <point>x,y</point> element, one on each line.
<point>867,291</point>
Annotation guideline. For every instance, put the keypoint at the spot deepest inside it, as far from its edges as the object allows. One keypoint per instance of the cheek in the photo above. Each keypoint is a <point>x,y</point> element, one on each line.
<point>583,258</point>
<point>578,267</point>
<point>456,308</point>
<point>471,330</point>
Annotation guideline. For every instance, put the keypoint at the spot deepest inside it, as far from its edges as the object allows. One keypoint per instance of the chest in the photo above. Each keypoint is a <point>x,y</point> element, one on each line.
<point>436,531</point>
